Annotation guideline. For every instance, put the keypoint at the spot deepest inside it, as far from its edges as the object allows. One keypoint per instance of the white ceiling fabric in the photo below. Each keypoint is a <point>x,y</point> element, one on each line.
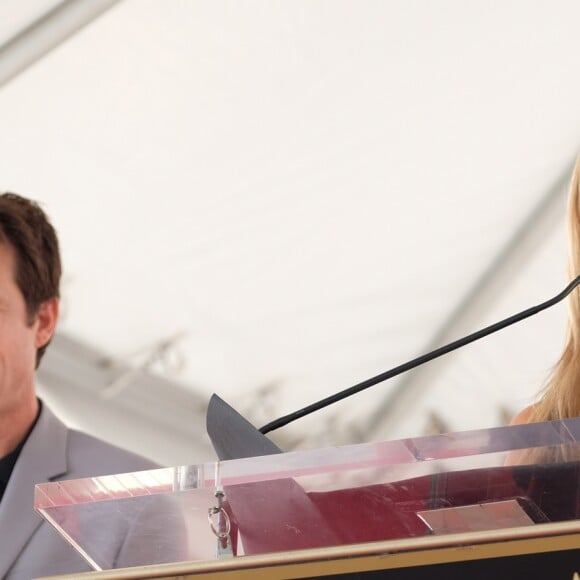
<point>18,16</point>
<point>302,193</point>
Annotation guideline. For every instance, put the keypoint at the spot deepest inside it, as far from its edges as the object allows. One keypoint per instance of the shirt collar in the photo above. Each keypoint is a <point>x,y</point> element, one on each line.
<point>8,462</point>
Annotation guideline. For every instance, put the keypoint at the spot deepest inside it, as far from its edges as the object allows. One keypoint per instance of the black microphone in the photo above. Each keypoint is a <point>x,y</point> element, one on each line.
<point>281,421</point>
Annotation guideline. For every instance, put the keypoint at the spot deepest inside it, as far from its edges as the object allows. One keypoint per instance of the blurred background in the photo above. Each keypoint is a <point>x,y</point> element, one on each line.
<point>275,200</point>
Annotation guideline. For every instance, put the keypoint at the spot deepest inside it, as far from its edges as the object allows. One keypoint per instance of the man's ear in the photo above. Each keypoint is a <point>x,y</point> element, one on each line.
<point>46,321</point>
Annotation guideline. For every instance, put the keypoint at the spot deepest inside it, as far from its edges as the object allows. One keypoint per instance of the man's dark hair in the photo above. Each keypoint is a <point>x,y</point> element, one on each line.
<point>25,227</point>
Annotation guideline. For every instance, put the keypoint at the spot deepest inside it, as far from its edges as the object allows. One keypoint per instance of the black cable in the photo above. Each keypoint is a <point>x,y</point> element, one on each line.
<point>281,421</point>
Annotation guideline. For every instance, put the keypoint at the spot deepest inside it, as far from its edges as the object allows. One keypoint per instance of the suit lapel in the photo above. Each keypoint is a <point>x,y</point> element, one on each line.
<point>42,459</point>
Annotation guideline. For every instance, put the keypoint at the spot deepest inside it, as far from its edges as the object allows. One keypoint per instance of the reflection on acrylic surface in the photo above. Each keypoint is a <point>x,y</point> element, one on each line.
<point>509,477</point>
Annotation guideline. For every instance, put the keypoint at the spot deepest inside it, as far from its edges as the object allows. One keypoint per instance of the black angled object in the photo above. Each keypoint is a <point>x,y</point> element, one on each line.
<point>232,435</point>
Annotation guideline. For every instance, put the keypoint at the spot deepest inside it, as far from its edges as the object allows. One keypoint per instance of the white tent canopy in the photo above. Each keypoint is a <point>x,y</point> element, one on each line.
<point>276,200</point>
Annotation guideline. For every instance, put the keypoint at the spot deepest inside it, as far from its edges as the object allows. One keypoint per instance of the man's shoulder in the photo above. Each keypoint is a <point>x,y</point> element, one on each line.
<point>90,456</point>
<point>77,453</point>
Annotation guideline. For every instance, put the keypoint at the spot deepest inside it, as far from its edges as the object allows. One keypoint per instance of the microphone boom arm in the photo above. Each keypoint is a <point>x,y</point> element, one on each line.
<point>281,421</point>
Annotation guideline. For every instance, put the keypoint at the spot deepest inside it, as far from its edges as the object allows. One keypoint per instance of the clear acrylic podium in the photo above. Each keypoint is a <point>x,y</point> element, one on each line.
<point>433,506</point>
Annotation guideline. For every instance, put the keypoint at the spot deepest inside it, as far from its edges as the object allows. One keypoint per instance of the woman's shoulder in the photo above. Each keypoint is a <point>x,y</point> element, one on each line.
<point>523,416</point>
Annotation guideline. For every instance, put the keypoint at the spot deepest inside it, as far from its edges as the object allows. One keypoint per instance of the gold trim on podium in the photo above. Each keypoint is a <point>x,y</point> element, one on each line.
<point>387,555</point>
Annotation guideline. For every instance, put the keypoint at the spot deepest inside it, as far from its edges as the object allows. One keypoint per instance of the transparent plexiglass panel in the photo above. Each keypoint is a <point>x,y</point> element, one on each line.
<point>458,483</point>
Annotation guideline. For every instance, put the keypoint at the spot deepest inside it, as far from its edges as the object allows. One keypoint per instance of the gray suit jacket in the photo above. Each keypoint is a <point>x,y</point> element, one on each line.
<point>29,546</point>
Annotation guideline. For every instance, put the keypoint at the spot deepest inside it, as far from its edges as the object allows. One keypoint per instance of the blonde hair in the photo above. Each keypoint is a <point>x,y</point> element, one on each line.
<point>561,396</point>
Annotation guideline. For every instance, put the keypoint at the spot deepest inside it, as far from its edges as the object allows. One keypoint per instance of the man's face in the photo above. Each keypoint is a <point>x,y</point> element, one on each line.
<point>18,339</point>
